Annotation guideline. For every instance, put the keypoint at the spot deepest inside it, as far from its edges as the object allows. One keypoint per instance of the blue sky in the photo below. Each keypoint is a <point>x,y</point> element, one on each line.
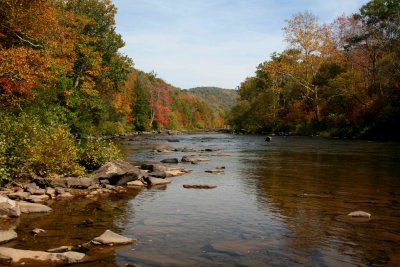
<point>191,43</point>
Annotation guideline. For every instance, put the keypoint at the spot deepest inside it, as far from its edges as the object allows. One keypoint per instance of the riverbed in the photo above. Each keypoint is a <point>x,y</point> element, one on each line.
<point>278,203</point>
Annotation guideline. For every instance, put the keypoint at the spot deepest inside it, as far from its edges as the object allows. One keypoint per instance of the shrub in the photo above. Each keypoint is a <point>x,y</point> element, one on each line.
<point>53,151</point>
<point>95,152</point>
<point>28,146</point>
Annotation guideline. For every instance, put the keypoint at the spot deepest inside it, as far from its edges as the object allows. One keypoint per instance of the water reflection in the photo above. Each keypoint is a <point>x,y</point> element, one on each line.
<point>313,184</point>
<point>282,203</point>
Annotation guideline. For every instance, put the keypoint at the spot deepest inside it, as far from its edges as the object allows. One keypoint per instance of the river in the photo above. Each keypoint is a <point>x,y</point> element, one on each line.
<point>282,203</point>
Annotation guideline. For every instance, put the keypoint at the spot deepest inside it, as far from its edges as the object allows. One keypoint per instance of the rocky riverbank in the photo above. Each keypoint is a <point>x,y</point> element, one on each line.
<point>113,178</point>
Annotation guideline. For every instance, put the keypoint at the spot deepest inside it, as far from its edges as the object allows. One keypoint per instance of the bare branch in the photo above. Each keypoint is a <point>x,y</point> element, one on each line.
<point>27,41</point>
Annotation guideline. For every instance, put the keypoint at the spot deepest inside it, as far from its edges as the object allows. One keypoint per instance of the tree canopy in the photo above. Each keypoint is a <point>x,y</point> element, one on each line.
<point>338,79</point>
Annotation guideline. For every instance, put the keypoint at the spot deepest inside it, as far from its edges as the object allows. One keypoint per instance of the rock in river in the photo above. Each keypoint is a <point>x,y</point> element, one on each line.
<point>9,207</point>
<point>110,238</point>
<point>171,160</point>
<point>7,236</point>
<point>216,170</point>
<point>193,159</point>
<point>27,207</point>
<point>199,186</point>
<point>117,172</point>
<point>38,258</point>
<point>359,213</point>
<point>157,181</point>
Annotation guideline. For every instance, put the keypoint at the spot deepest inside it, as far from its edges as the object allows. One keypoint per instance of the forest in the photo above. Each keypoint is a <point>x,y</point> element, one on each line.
<point>340,79</point>
<point>63,81</point>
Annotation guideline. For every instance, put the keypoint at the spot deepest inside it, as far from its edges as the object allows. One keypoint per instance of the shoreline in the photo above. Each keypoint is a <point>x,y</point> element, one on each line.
<point>111,180</point>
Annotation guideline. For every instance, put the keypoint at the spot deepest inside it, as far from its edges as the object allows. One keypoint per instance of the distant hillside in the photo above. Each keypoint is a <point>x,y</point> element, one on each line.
<point>225,98</point>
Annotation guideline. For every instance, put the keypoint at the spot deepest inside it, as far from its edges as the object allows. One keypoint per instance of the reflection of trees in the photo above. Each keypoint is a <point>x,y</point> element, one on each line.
<point>312,191</point>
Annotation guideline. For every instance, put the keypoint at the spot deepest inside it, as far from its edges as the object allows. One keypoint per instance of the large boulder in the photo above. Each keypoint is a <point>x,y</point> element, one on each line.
<point>110,238</point>
<point>7,236</point>
<point>39,258</point>
<point>117,172</point>
<point>9,207</point>
<point>27,207</point>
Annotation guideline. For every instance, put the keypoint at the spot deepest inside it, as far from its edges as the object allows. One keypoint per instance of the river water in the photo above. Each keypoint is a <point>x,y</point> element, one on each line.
<point>283,203</point>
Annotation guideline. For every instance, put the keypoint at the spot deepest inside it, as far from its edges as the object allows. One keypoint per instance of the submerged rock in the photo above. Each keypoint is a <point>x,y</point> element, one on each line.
<point>110,238</point>
<point>199,186</point>
<point>7,236</point>
<point>9,207</point>
<point>27,207</point>
<point>359,213</point>
<point>39,258</point>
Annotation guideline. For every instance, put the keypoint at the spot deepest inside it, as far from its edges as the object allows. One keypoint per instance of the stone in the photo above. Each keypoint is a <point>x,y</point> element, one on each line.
<point>153,167</point>
<point>171,160</point>
<point>27,207</point>
<point>37,198</point>
<point>51,192</point>
<point>79,248</point>
<point>66,195</point>
<point>58,182</point>
<point>159,174</point>
<point>39,191</point>
<point>136,183</point>
<point>359,213</point>
<point>79,182</point>
<point>211,149</point>
<point>176,172</point>
<point>117,172</point>
<point>194,159</point>
<point>199,186</point>
<point>110,238</point>
<point>31,188</point>
<point>9,207</point>
<point>7,236</point>
<point>157,181</point>
<point>60,190</point>
<point>110,187</point>
<point>216,170</point>
<point>39,258</point>
<point>20,195</point>
<point>164,148</point>
<point>37,231</point>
